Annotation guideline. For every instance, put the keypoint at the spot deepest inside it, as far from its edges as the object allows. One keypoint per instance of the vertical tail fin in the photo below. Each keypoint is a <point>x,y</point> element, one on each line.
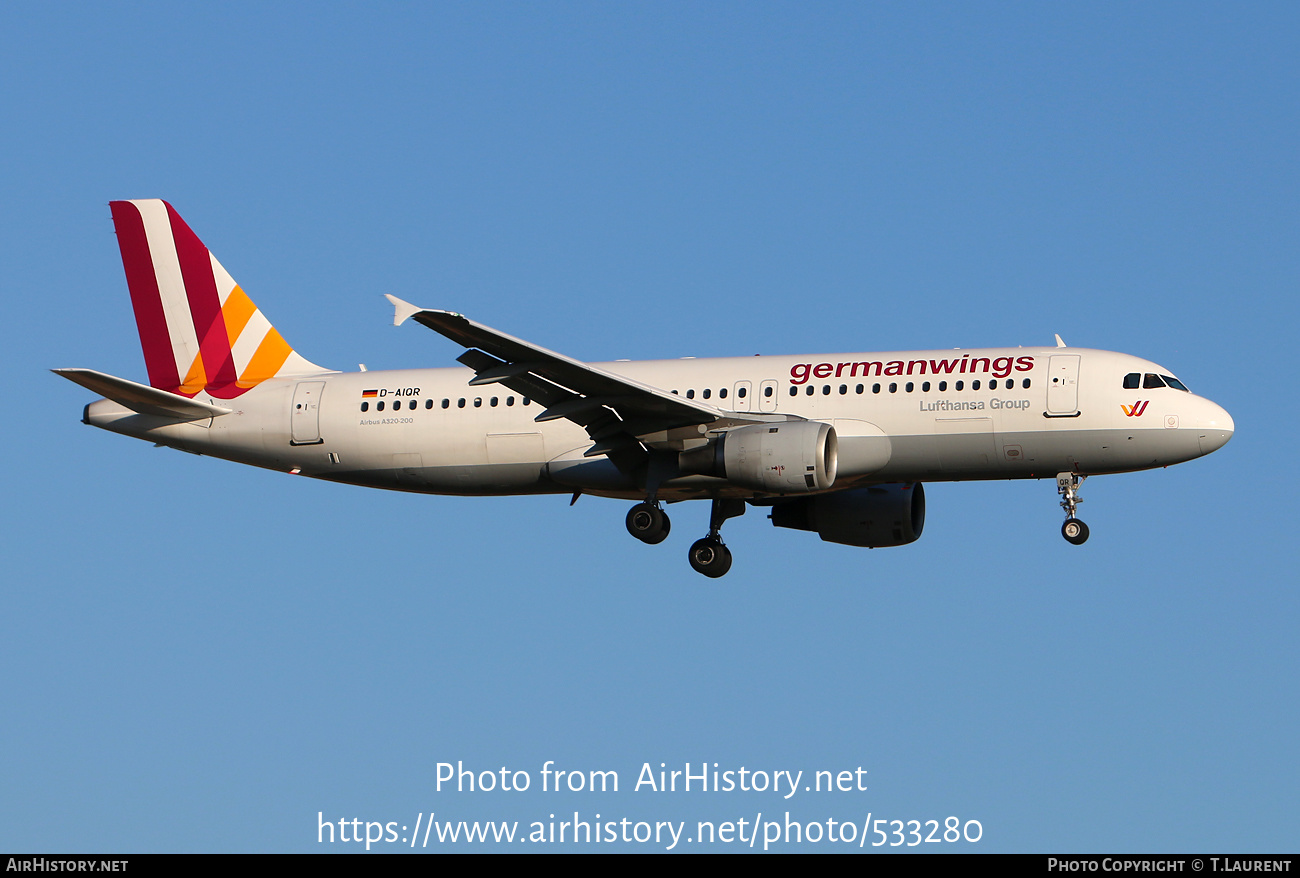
<point>198,329</point>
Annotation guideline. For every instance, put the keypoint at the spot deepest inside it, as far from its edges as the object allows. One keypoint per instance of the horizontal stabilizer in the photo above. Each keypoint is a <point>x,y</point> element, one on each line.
<point>140,397</point>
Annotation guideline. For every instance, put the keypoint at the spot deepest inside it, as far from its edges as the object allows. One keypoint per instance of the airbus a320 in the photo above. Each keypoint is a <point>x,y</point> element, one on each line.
<point>837,444</point>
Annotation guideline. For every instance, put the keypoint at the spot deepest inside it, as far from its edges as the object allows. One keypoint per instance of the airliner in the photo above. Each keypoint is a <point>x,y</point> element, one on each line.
<point>836,444</point>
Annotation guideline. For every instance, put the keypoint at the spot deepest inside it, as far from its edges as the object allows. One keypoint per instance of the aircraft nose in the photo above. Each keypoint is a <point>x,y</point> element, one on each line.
<point>1216,428</point>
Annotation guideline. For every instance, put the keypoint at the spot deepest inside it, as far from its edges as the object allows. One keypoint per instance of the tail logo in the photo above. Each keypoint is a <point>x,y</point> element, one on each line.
<point>200,332</point>
<point>1136,409</point>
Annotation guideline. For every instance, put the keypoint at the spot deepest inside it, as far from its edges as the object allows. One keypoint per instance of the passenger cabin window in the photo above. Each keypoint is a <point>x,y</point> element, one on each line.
<point>722,394</point>
<point>767,392</point>
<point>365,406</point>
<point>1131,380</point>
<point>706,393</point>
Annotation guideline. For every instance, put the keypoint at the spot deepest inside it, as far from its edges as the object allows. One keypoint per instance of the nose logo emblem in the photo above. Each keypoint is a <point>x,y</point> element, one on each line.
<point>1136,409</point>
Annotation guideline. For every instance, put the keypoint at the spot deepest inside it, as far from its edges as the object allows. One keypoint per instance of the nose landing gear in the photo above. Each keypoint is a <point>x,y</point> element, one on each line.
<point>1067,485</point>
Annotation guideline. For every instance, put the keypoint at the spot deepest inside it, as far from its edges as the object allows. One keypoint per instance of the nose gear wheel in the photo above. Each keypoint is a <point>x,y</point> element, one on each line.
<point>1067,485</point>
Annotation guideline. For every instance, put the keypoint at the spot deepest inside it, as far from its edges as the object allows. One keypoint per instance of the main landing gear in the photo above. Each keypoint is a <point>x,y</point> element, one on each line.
<point>1067,485</point>
<point>710,556</point>
<point>648,523</point>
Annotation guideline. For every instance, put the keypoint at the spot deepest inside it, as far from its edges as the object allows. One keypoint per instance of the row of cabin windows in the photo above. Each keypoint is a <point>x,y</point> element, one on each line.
<point>910,386</point>
<point>768,390</point>
<point>1150,381</point>
<point>446,403</point>
<point>741,393</point>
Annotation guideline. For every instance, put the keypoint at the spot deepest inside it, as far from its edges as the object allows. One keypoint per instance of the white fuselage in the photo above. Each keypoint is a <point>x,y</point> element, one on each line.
<point>1002,414</point>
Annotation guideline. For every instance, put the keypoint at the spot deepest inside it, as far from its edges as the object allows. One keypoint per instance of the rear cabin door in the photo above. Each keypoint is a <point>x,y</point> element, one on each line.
<point>304,419</point>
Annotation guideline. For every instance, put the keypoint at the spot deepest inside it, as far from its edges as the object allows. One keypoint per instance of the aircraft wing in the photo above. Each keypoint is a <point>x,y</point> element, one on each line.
<point>614,410</point>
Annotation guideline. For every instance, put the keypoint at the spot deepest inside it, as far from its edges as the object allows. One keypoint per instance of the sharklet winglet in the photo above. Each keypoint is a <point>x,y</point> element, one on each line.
<point>403,310</point>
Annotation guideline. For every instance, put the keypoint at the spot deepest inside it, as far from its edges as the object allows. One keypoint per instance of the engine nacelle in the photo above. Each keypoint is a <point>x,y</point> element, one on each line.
<point>792,457</point>
<point>875,517</point>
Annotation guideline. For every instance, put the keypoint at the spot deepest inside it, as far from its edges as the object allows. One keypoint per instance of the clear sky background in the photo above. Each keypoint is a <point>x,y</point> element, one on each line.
<point>198,656</point>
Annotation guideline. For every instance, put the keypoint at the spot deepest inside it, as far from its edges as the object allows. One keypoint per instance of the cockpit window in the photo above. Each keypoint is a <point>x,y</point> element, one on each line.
<point>1132,380</point>
<point>1150,382</point>
<point>1175,383</point>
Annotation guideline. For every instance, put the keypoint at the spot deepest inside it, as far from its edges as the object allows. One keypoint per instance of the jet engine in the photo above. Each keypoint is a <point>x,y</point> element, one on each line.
<point>793,457</point>
<point>875,517</point>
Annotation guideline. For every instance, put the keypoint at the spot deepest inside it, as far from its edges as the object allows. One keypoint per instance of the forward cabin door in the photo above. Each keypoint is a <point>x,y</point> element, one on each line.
<point>1063,385</point>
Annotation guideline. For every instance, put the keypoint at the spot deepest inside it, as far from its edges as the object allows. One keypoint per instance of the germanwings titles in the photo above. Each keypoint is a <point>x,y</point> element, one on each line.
<point>835,444</point>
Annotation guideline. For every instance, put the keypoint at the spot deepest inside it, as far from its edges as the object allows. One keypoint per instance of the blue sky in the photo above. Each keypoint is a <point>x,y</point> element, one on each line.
<point>201,657</point>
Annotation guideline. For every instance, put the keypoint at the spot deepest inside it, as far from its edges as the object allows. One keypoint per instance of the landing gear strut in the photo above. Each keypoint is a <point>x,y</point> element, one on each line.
<point>648,523</point>
<point>709,555</point>
<point>1067,485</point>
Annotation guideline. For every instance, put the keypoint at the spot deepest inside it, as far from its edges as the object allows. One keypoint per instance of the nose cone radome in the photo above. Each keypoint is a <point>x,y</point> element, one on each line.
<point>1216,428</point>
